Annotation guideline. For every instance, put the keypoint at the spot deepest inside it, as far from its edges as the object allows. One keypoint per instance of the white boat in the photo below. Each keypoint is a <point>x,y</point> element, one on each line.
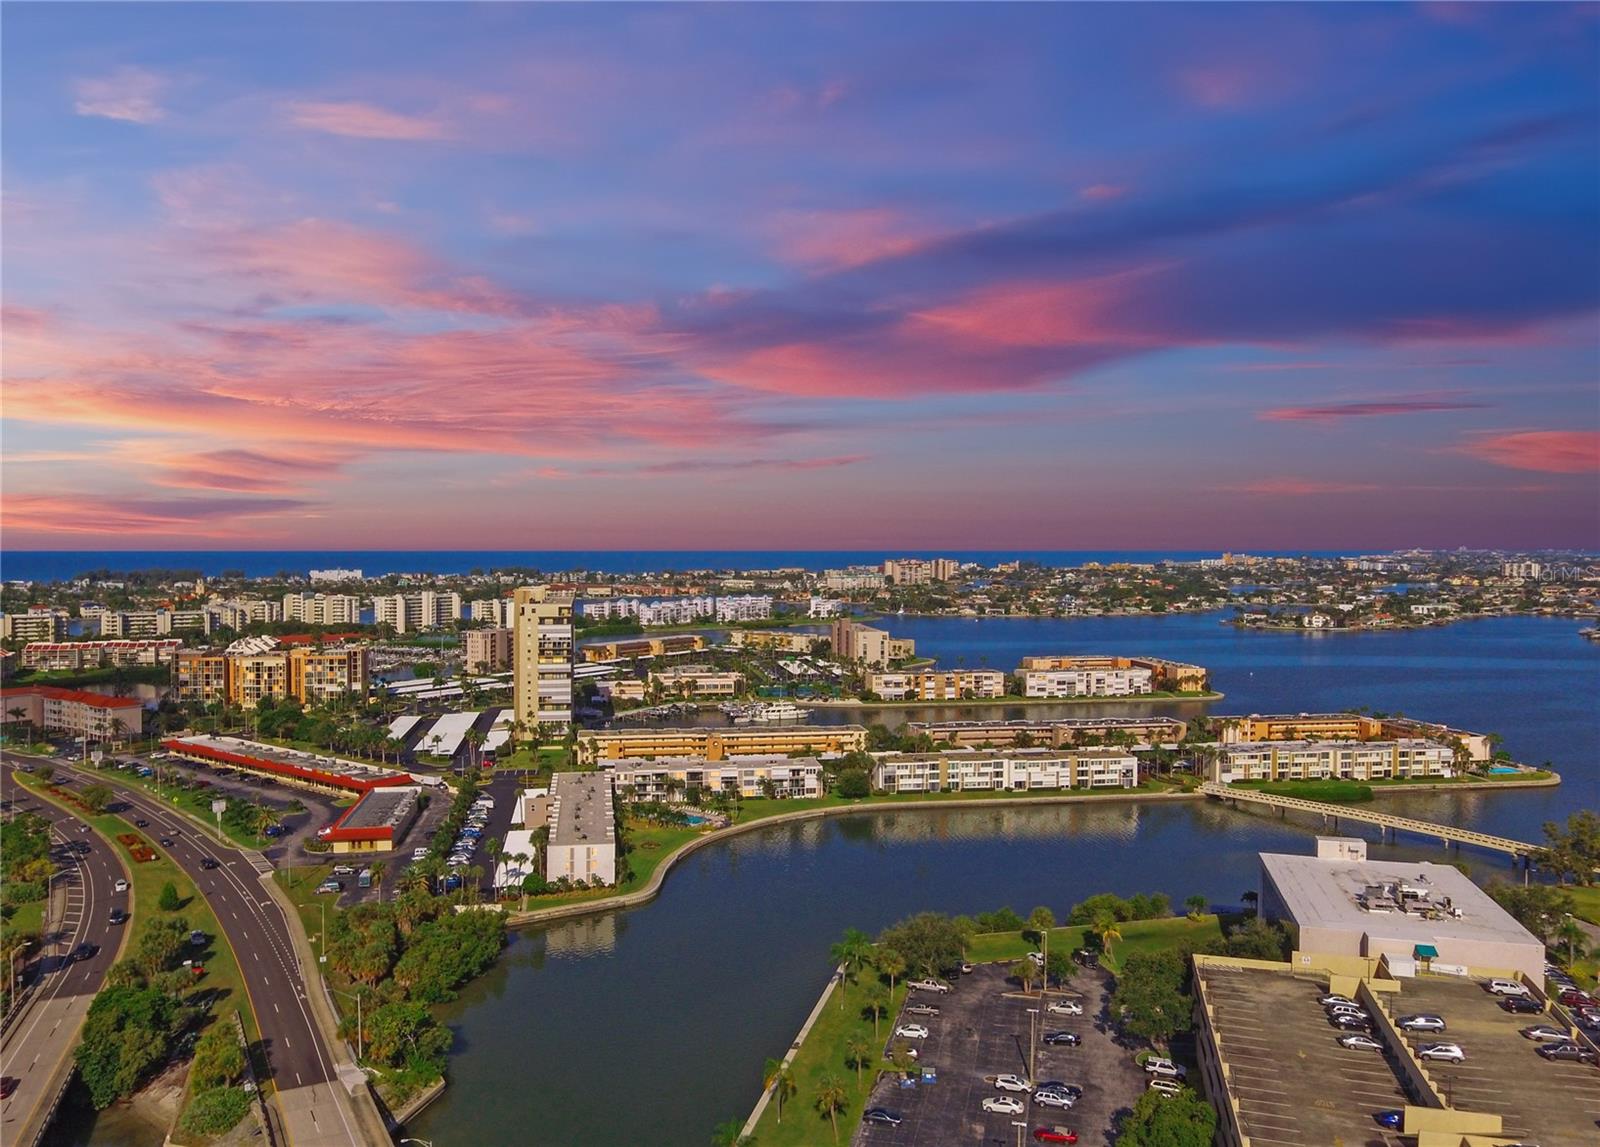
<point>778,711</point>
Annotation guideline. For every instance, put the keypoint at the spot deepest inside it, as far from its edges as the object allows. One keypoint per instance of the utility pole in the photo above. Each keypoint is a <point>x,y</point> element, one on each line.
<point>1033,1043</point>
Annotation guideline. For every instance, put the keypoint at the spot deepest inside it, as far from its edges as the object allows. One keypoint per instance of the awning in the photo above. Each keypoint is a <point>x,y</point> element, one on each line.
<point>1425,952</point>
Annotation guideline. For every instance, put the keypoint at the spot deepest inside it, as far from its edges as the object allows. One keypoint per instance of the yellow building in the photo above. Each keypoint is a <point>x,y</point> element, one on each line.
<point>542,655</point>
<point>200,675</point>
<point>938,685</point>
<point>643,647</point>
<point>718,744</point>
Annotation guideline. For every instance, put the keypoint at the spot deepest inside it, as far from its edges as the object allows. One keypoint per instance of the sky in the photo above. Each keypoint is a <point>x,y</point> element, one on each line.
<point>799,276</point>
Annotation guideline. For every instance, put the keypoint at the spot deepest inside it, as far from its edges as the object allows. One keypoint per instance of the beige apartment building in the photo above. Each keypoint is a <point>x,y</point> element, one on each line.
<point>97,654</point>
<point>938,685</point>
<point>1052,734</point>
<point>1084,682</point>
<point>718,744</point>
<point>487,650</point>
<point>1349,727</point>
<point>698,681</point>
<point>312,675</point>
<point>863,644</point>
<point>322,608</point>
<point>200,675</point>
<point>1164,675</point>
<point>1329,760</point>
<point>1020,770</point>
<point>542,656</point>
<point>583,837</point>
<point>642,647</point>
<point>318,675</point>
<point>422,609</point>
<point>778,640</point>
<point>35,625</point>
<point>748,777</point>
<point>152,622</point>
<point>919,571</point>
<point>76,713</point>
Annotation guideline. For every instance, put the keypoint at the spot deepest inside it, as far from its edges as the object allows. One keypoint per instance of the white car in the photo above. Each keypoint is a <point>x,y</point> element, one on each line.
<point>1036,957</point>
<point>1421,1023</point>
<point>1066,1008</point>
<point>419,854</point>
<point>1349,1010</point>
<point>1449,1052</point>
<point>1507,987</point>
<point>1166,1087</point>
<point>1004,1105</point>
<point>928,986</point>
<point>1012,1083</point>
<point>1054,1099</point>
<point>911,1031</point>
<point>1164,1068</point>
<point>343,870</point>
<point>120,886</point>
<point>1358,1042</point>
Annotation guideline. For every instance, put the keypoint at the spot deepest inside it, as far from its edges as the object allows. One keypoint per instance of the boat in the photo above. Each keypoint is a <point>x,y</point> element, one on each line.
<point>778,711</point>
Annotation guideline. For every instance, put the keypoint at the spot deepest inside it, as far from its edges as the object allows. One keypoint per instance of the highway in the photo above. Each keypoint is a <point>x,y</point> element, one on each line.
<point>312,1103</point>
<point>38,1039</point>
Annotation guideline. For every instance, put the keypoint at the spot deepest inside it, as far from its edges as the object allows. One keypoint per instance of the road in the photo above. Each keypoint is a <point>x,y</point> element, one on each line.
<point>309,1096</point>
<point>39,1038</point>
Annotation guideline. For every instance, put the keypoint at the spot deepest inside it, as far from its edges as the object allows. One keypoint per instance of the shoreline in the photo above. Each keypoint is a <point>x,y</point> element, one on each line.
<point>652,887</point>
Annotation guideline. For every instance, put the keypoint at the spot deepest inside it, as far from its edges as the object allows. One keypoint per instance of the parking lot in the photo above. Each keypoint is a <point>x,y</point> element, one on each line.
<point>1540,1101</point>
<point>982,1030</point>
<point>1295,1084</point>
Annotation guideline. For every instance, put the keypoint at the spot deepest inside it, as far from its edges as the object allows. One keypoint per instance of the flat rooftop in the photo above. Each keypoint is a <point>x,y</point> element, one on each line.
<point>582,809</point>
<point>380,808</point>
<point>240,753</point>
<point>1327,893</point>
<point>757,761</point>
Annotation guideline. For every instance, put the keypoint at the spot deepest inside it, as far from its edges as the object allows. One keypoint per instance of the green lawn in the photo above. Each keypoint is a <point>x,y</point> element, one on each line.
<point>1587,899</point>
<point>1137,936</point>
<point>195,802</point>
<point>24,918</point>
<point>823,1054</point>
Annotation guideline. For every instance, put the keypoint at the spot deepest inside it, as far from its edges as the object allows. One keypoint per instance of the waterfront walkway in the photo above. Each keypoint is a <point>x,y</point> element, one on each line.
<point>1449,834</point>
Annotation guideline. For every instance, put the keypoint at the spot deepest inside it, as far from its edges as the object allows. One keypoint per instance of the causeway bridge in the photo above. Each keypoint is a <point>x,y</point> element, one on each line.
<point>1388,822</point>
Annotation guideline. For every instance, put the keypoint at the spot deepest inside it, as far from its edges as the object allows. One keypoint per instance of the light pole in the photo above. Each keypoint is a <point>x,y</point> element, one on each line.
<point>1033,1040</point>
<point>1021,1127</point>
<point>360,1040</point>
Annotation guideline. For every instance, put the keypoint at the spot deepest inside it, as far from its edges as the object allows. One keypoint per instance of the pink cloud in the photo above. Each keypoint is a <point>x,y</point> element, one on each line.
<point>363,121</point>
<point>849,238</point>
<point>113,516</point>
<point>1216,86</point>
<point>130,94</point>
<point>1377,409</point>
<point>1543,451</point>
<point>1301,487</point>
<point>243,471</point>
<point>1100,192</point>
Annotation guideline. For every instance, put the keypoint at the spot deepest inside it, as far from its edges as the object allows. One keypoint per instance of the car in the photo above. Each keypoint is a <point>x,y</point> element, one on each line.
<point>1447,1052</point>
<point>1037,958</point>
<point>1086,957</point>
<point>118,916</point>
<point>1054,1135</point>
<point>8,1084</point>
<point>1167,1087</point>
<point>1544,1033</point>
<point>1065,1008</point>
<point>928,986</point>
<point>1421,1023</point>
<point>1576,998</point>
<point>881,1115</point>
<point>419,854</point>
<point>343,870</point>
<point>922,1010</point>
<point>141,824</point>
<point>197,939</point>
<point>1349,1010</point>
<point>274,830</point>
<point>1156,1065</point>
<point>1004,1105</point>
<point>1351,1023</point>
<point>1060,1099</point>
<point>911,1031</point>
<point>84,952</point>
<point>967,969</point>
<point>1062,1039</point>
<point>1333,998</point>
<point>458,862</point>
<point>1010,1082</point>
<point>166,842</point>
<point>1506,988</point>
<point>451,882</point>
<point>120,886</point>
<point>1569,1052</point>
<point>1391,1119</point>
<point>330,887</point>
<point>1060,1087</point>
<point>1356,1041</point>
<point>1522,1005</point>
<point>210,863</point>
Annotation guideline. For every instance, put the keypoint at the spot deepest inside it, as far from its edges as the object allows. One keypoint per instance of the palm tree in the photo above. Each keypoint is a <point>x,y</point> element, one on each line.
<point>1105,930</point>
<point>853,952</point>
<point>730,1134</point>
<point>521,860</point>
<point>831,1098</point>
<point>1042,920</point>
<point>857,1054</point>
<point>1569,932</point>
<point>891,963</point>
<point>377,869</point>
<point>777,1079</point>
<point>1023,972</point>
<point>1196,904</point>
<point>876,1005</point>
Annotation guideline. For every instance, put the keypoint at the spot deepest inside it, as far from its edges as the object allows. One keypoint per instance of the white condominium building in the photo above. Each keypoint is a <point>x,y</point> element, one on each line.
<point>583,832</point>
<point>1019,770</point>
<point>322,608</point>
<point>499,612</point>
<point>852,578</point>
<point>744,607</point>
<point>697,681</point>
<point>1329,760</point>
<point>938,685</point>
<point>672,778</point>
<point>35,625</point>
<point>1084,682</point>
<point>423,609</point>
<point>239,612</point>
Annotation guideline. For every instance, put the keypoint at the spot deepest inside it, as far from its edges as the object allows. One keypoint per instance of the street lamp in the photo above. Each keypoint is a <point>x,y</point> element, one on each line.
<point>360,1041</point>
<point>1021,1127</point>
<point>1033,1041</point>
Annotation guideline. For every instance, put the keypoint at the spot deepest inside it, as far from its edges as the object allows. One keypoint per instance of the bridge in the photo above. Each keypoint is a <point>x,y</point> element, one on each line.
<point>1387,822</point>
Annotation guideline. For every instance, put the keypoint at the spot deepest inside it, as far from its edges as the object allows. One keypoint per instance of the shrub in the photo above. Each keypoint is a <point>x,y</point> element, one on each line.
<point>215,1111</point>
<point>169,901</point>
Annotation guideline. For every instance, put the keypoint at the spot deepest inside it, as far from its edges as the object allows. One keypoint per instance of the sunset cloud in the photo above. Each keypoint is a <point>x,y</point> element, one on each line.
<point>130,94</point>
<point>1542,451</point>
<point>1334,412</point>
<point>112,517</point>
<point>359,120</point>
<point>1301,487</point>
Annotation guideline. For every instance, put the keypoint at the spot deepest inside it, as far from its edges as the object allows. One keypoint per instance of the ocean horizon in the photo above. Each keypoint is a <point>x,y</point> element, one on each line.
<point>62,565</point>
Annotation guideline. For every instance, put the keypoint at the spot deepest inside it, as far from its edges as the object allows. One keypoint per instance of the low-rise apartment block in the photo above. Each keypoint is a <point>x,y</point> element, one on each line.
<point>1349,727</point>
<point>69,655</point>
<point>583,831</point>
<point>1020,770</point>
<point>718,744</point>
<point>1085,681</point>
<point>422,609</point>
<point>486,650</point>
<point>1330,760</point>
<point>1056,734</point>
<point>779,640</point>
<point>153,622</point>
<point>310,674</point>
<point>938,685</point>
<point>75,713</point>
<point>744,607</point>
<point>748,777</point>
<point>697,681</point>
<point>626,650</point>
<point>240,612</point>
<point>322,608</point>
<point>35,625</point>
<point>622,689</point>
<point>865,645</point>
<point>853,578</point>
<point>1123,675</point>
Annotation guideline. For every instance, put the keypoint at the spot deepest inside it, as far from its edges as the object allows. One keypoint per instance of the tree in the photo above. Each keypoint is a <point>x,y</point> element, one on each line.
<point>1185,1120</point>
<point>95,798</point>
<point>125,1037</point>
<point>830,1100</point>
<point>1104,928</point>
<point>876,1005</point>
<point>218,1058</point>
<point>1539,908</point>
<point>1255,939</point>
<point>730,1133</point>
<point>1569,932</point>
<point>778,1079</point>
<point>45,773</point>
<point>1150,998</point>
<point>890,963</point>
<point>857,1054</point>
<point>1253,899</point>
<point>930,942</point>
<point>376,870</point>
<point>1059,967</point>
<point>853,952</point>
<point>1041,920</point>
<point>168,901</point>
<point>853,783</point>
<point>1196,905</point>
<point>1572,852</point>
<point>1023,972</point>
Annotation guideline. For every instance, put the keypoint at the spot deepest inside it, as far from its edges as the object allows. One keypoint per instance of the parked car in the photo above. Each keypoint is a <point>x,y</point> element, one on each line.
<point>1568,1052</point>
<point>1356,1041</point>
<point>1086,957</point>
<point>922,1010</point>
<point>881,1115</point>
<point>1054,1135</point>
<point>1422,1023</point>
<point>928,986</point>
<point>1060,1087</point>
<point>1447,1052</point>
<point>911,1031</point>
<point>120,886</point>
<point>274,830</point>
<point>1349,1010</point>
<point>1166,1087</point>
<point>1351,1023</point>
<point>1506,987</point>
<point>1004,1105</point>
<point>1165,1068</point>
<point>1057,1099</point>
<point>344,870</point>
<point>1334,998</point>
<point>1545,1033</point>
<point>1062,1039</point>
<point>1393,1120</point>
<point>1521,1005</point>
<point>1576,998</point>
<point>330,887</point>
<point>1066,1008</point>
<point>1010,1082</point>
